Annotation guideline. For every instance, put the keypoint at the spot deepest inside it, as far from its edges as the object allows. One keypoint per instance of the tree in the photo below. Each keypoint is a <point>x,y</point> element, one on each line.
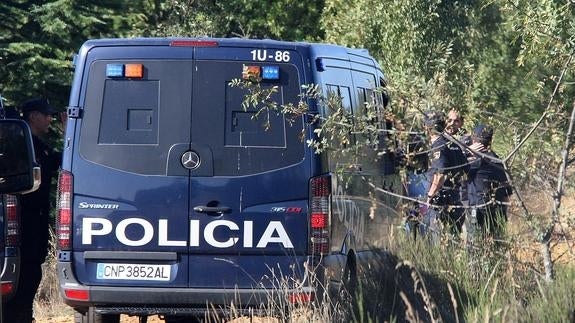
<point>283,20</point>
<point>38,40</point>
<point>547,33</point>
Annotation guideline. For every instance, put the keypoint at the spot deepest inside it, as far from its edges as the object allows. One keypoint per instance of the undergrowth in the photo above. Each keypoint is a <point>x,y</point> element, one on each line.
<point>414,281</point>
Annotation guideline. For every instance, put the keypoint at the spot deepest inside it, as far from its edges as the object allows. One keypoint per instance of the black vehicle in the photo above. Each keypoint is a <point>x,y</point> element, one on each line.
<point>9,244</point>
<point>18,174</point>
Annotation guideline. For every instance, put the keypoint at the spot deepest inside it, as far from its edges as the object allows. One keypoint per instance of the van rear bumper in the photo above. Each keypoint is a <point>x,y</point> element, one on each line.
<point>173,301</point>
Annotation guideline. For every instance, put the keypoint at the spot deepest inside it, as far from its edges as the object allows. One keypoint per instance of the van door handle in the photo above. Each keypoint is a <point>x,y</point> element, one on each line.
<point>212,209</point>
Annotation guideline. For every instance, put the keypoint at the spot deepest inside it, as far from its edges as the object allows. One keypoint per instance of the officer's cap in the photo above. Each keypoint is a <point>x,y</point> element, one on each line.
<point>483,132</point>
<point>39,104</point>
<point>434,119</point>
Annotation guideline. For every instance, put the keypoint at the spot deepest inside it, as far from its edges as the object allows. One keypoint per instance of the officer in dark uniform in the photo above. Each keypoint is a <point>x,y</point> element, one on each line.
<point>35,212</point>
<point>454,128</point>
<point>488,187</point>
<point>447,170</point>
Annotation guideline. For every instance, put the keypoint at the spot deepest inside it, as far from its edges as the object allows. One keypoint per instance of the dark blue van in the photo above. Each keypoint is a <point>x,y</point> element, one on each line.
<point>175,200</point>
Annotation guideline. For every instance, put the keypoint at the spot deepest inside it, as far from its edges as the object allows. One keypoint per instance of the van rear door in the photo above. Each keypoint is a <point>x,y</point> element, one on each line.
<point>131,194</point>
<point>248,196</point>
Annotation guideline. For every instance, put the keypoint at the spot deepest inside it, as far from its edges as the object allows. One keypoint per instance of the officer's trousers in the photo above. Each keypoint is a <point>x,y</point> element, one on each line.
<point>445,215</point>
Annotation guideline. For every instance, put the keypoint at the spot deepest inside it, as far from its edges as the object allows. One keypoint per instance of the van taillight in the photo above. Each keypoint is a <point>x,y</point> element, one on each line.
<point>320,209</point>
<point>77,294</point>
<point>12,220</point>
<point>7,288</point>
<point>64,203</point>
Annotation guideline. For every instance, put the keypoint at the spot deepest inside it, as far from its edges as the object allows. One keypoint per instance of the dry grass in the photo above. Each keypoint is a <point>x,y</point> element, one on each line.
<point>399,290</point>
<point>49,307</point>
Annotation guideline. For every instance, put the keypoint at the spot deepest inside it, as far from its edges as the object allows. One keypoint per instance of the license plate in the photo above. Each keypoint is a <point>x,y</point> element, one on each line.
<point>133,272</point>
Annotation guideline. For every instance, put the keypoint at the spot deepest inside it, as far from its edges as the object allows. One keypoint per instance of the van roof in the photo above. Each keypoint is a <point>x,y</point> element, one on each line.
<point>318,49</point>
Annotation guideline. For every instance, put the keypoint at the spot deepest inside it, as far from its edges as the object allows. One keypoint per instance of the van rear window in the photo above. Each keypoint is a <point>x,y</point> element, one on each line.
<point>133,124</point>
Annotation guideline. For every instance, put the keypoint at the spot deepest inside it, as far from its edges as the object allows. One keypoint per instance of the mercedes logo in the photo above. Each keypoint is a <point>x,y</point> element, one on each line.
<point>191,160</point>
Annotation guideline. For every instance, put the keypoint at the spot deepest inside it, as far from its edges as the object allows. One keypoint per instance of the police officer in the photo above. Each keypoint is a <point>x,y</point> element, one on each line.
<point>35,212</point>
<point>488,187</point>
<point>454,124</point>
<point>447,169</point>
<point>454,128</point>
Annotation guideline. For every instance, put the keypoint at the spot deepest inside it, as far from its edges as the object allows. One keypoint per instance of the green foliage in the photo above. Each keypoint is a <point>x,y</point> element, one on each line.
<point>38,40</point>
<point>185,18</point>
<point>285,19</point>
<point>471,54</point>
<point>417,43</point>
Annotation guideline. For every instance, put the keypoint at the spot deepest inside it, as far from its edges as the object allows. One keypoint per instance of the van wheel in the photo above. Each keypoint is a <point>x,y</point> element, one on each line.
<point>91,316</point>
<point>342,295</point>
<point>349,280</point>
<point>348,291</point>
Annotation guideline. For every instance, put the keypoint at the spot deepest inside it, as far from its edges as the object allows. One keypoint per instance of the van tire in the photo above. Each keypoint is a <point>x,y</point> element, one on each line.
<point>349,283</point>
<point>91,316</point>
<point>342,295</point>
<point>349,277</point>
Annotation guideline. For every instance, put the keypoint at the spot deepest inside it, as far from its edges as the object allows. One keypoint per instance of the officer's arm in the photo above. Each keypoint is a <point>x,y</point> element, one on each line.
<point>436,184</point>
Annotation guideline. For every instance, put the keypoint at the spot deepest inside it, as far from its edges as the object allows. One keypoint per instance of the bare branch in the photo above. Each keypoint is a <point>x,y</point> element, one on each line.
<point>544,115</point>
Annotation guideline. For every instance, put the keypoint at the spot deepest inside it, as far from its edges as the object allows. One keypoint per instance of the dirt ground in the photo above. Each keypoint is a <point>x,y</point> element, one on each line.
<point>563,240</point>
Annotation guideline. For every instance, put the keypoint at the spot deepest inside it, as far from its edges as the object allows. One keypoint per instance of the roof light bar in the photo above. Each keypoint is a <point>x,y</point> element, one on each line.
<point>257,73</point>
<point>125,70</point>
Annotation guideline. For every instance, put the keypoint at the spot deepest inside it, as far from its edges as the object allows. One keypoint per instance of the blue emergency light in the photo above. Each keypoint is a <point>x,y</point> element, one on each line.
<point>270,72</point>
<point>115,70</point>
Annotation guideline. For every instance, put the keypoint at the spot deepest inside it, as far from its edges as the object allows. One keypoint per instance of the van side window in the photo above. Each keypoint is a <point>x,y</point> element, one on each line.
<point>367,97</point>
<point>343,93</point>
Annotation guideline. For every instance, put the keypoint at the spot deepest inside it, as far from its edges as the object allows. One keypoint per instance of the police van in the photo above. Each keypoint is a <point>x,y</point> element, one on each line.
<point>173,199</point>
